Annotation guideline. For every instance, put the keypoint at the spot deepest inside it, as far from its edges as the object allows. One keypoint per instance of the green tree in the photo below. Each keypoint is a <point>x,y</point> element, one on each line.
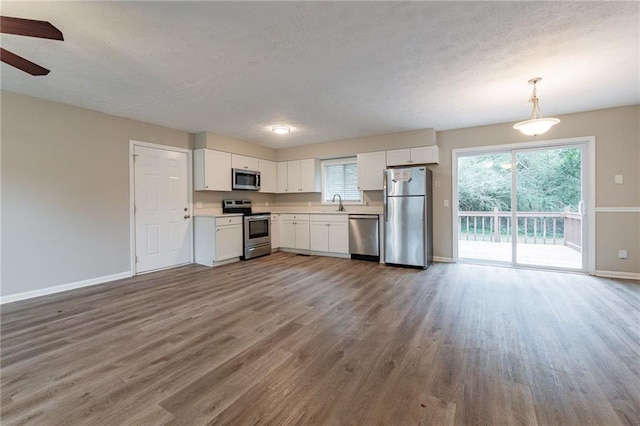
<point>546,180</point>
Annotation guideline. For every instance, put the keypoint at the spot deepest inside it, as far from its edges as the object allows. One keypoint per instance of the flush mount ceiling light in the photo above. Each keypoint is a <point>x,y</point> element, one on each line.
<point>281,130</point>
<point>536,125</point>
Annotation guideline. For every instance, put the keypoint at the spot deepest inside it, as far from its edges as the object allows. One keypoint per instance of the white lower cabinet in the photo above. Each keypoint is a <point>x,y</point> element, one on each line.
<point>217,239</point>
<point>294,231</point>
<point>329,233</point>
<point>275,231</point>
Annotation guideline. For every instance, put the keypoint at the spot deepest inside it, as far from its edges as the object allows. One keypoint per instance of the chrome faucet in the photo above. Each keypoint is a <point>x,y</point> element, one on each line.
<point>341,207</point>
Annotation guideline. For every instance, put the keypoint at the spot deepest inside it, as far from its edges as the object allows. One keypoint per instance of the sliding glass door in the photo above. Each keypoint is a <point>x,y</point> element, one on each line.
<point>523,207</point>
<point>484,200</point>
<point>548,204</point>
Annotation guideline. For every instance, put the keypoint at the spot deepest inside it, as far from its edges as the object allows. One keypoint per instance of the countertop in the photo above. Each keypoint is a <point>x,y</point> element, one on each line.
<point>214,214</point>
<point>218,213</point>
<point>325,212</point>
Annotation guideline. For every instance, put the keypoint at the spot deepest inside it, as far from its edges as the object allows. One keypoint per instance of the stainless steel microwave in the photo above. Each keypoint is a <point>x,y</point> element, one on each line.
<point>245,179</point>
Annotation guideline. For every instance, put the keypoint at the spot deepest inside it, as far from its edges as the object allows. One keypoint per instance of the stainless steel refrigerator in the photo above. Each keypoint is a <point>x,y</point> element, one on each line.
<point>408,211</point>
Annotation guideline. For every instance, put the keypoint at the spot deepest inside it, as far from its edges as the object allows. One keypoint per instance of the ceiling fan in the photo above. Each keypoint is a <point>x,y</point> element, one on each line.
<point>29,28</point>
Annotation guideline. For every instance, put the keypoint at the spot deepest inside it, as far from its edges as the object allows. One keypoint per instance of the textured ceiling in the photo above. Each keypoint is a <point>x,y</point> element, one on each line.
<point>330,70</point>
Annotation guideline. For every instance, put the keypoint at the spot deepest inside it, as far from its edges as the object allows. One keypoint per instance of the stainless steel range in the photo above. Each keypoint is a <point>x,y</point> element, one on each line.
<point>256,230</point>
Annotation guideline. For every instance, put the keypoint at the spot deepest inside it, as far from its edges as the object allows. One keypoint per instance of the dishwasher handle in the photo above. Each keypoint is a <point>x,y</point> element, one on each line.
<point>364,216</point>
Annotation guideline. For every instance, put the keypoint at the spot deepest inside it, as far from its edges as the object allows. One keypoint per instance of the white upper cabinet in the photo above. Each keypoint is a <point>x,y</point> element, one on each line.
<point>243,162</point>
<point>293,176</point>
<point>298,176</point>
<point>310,175</point>
<point>281,178</point>
<point>211,170</point>
<point>398,156</point>
<point>425,155</point>
<point>371,166</point>
<point>268,176</point>
<point>410,156</point>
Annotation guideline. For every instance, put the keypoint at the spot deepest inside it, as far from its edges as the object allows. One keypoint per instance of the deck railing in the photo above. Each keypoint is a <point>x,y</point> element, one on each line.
<point>563,228</point>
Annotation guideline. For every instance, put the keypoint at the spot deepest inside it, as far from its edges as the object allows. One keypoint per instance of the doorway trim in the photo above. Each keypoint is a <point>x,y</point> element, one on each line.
<point>590,163</point>
<point>132,221</point>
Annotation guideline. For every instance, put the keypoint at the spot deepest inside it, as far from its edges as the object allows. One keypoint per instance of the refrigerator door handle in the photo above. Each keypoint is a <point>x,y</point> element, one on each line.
<point>384,194</point>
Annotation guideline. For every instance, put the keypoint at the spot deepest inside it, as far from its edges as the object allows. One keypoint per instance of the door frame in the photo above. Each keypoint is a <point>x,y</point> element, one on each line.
<point>588,164</point>
<point>132,221</point>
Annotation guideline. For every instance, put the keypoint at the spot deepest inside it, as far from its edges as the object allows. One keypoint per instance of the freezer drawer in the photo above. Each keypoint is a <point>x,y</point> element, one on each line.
<point>363,235</point>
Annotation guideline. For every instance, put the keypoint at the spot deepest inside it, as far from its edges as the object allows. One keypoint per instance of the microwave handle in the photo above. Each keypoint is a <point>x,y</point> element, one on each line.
<point>258,179</point>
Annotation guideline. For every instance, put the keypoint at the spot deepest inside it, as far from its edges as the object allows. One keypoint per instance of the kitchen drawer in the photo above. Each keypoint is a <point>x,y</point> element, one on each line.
<point>226,220</point>
<point>324,218</point>
<point>295,217</point>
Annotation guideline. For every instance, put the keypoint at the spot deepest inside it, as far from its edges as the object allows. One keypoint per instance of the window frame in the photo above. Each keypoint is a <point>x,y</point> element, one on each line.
<point>337,161</point>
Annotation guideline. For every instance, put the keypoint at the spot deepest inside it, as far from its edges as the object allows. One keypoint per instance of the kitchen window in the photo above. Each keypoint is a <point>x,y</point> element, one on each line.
<point>340,176</point>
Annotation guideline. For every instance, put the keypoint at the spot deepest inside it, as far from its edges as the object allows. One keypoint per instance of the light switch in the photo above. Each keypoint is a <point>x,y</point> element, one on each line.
<point>446,203</point>
<point>622,254</point>
<point>618,179</point>
<point>436,183</point>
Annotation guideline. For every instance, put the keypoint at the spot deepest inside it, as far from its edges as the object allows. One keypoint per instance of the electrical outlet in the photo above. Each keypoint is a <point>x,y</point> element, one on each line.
<point>622,254</point>
<point>446,203</point>
<point>266,204</point>
<point>618,179</point>
<point>198,204</point>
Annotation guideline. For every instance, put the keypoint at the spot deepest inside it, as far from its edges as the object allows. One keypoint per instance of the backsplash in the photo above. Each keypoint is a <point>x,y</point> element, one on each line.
<point>212,201</point>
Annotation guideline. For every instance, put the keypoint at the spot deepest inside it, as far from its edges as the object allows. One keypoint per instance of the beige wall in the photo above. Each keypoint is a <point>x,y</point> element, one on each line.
<point>617,152</point>
<point>65,184</point>
<point>346,148</point>
<point>235,146</point>
<point>617,134</point>
<point>349,147</point>
<point>65,191</point>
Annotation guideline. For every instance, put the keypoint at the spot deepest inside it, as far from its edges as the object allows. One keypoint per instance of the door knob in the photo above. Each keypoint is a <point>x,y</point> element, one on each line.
<point>186,216</point>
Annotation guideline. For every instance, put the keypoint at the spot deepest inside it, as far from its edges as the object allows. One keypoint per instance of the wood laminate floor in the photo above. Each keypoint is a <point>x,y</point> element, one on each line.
<point>289,339</point>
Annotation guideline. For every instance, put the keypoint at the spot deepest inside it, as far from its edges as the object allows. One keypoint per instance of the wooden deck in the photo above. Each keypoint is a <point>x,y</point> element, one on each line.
<point>293,340</point>
<point>557,256</point>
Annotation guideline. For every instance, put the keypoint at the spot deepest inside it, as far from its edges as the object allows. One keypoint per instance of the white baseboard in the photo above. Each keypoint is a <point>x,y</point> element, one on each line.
<point>63,287</point>
<point>442,259</point>
<point>620,275</point>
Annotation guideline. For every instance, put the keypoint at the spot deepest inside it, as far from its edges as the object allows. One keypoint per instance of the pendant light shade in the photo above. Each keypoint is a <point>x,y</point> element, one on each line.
<point>536,125</point>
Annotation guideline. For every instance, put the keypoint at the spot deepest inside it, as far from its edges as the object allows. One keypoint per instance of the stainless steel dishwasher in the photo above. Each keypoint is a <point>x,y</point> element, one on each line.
<point>364,237</point>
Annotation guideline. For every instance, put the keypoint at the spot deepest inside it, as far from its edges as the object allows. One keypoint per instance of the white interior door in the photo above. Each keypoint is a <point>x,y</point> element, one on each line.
<point>161,208</point>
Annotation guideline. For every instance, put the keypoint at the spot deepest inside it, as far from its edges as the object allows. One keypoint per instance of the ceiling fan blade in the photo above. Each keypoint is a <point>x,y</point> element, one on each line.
<point>29,28</point>
<point>21,63</point>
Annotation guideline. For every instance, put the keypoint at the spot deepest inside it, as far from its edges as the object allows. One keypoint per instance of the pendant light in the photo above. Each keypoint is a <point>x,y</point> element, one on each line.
<point>536,125</point>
